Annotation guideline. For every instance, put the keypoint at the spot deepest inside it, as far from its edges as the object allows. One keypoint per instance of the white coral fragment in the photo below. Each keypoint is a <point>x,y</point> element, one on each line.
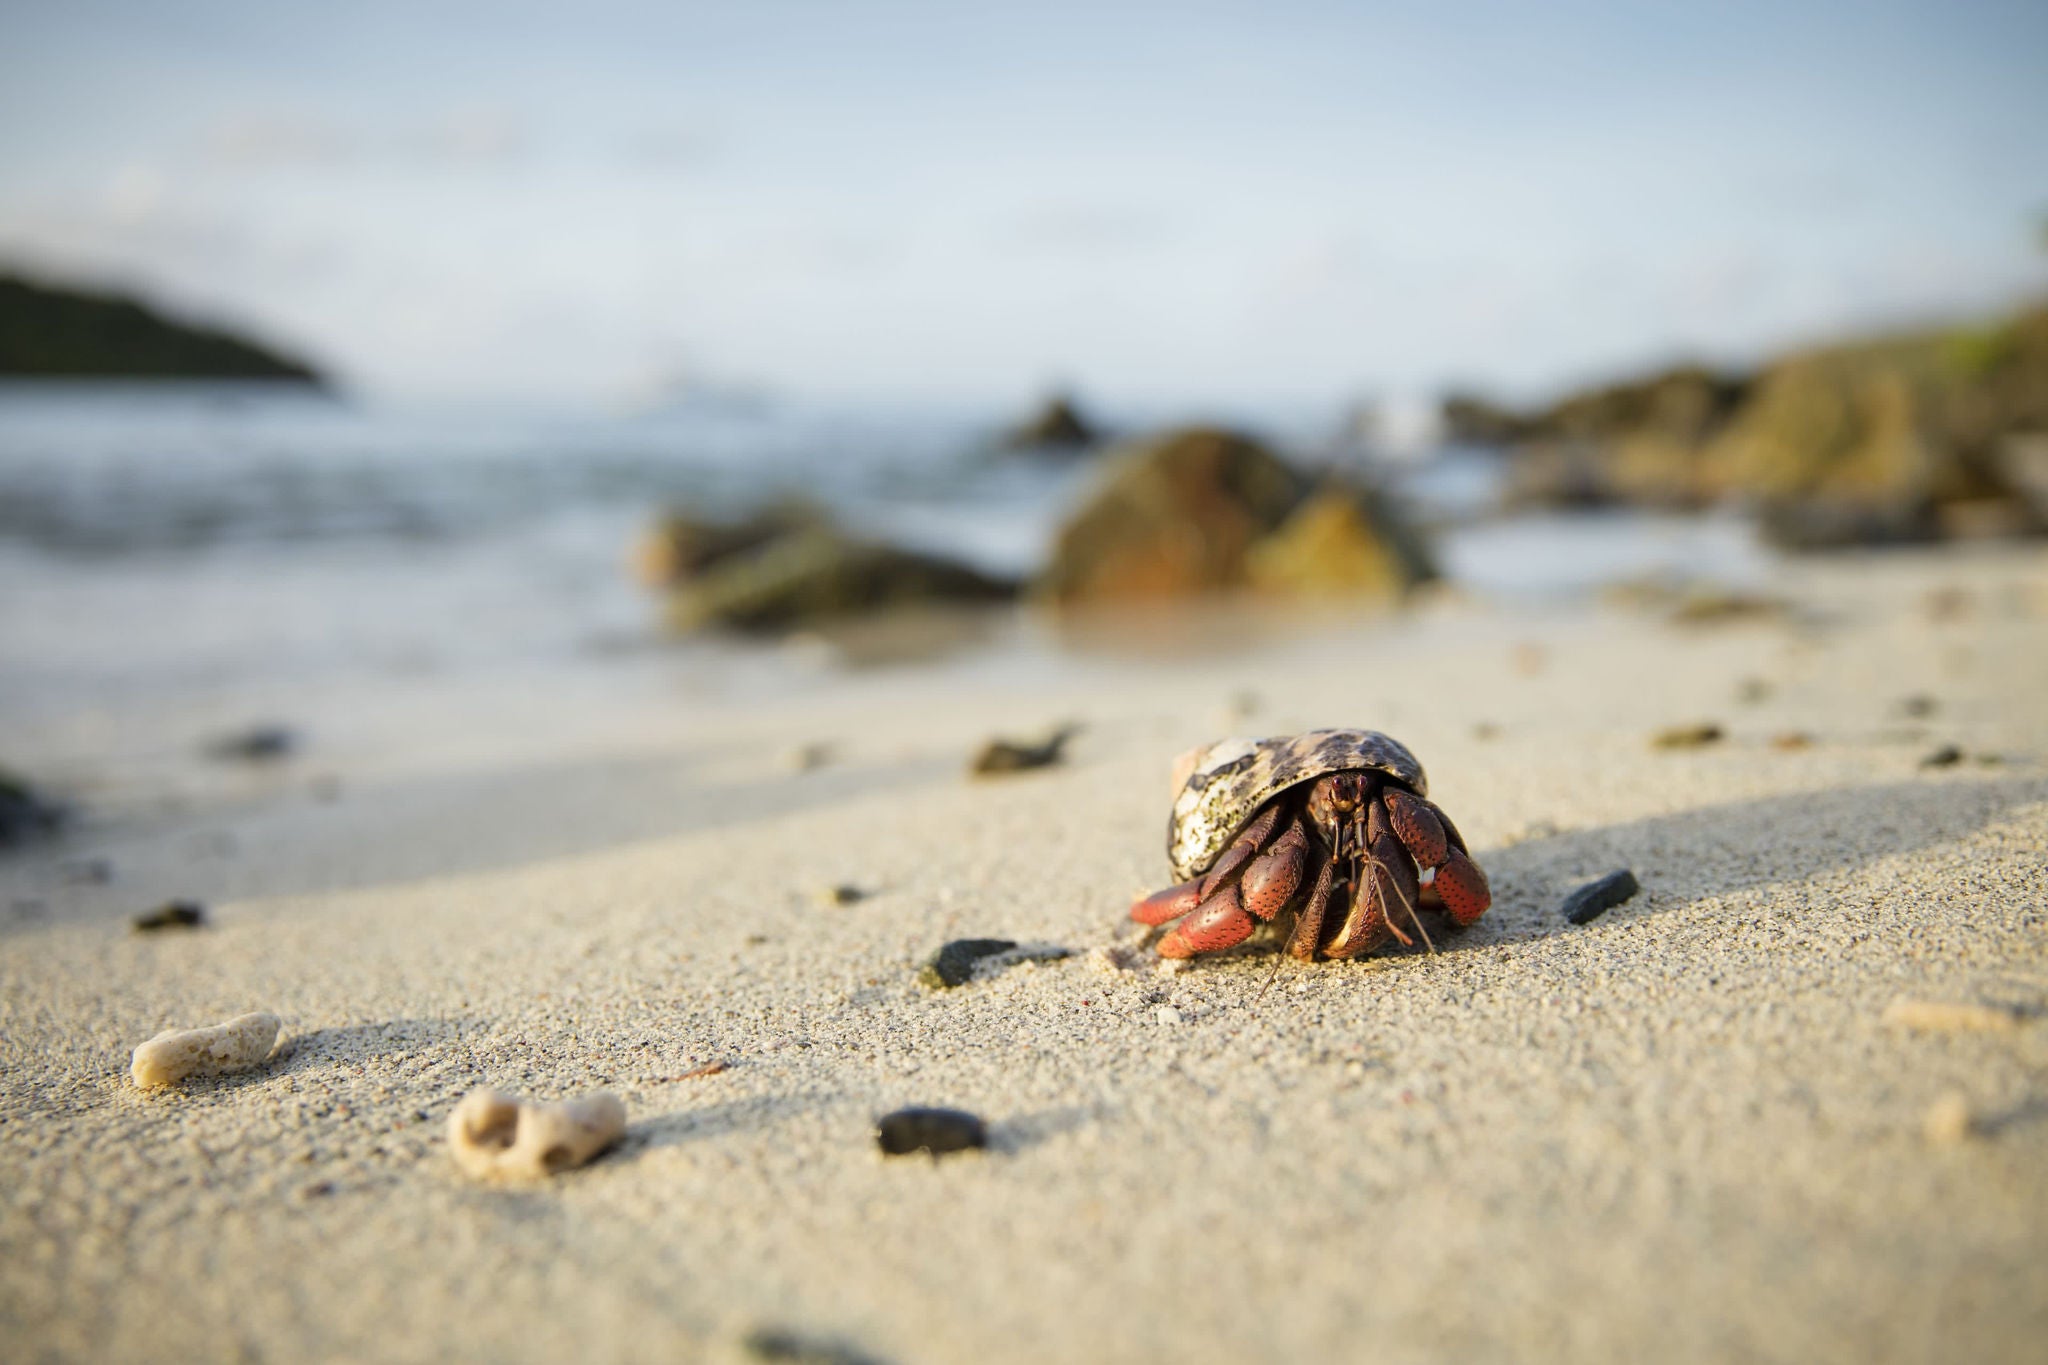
<point>497,1136</point>
<point>174,1054</point>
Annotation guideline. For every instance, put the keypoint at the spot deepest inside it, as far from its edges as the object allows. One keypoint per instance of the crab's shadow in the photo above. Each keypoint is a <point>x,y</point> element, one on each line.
<point>1722,850</point>
<point>1727,849</point>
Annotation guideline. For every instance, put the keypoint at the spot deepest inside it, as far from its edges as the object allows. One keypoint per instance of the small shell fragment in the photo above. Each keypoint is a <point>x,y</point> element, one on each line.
<point>498,1136</point>
<point>174,1054</point>
<point>937,1131</point>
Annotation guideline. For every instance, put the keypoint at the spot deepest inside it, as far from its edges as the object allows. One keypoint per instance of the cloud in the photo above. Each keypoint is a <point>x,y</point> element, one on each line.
<point>479,134</point>
<point>1081,228</point>
<point>135,192</point>
<point>667,148</point>
<point>262,139</point>
<point>282,139</point>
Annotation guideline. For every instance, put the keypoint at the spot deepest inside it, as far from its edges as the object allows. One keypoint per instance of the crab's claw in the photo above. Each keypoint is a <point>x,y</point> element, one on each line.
<point>1219,922</point>
<point>1173,902</point>
<point>1462,888</point>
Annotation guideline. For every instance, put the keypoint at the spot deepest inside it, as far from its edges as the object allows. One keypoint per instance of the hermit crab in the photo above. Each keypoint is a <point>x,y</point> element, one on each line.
<point>1333,824</point>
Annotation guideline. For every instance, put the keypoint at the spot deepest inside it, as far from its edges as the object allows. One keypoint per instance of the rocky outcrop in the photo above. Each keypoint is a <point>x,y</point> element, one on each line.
<point>682,544</point>
<point>1057,426</point>
<point>48,331</point>
<point>25,812</point>
<point>1914,437</point>
<point>1206,511</point>
<point>817,575</point>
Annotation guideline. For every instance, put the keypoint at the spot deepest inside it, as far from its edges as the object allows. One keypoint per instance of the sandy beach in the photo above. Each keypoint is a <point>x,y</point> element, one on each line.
<point>1684,1131</point>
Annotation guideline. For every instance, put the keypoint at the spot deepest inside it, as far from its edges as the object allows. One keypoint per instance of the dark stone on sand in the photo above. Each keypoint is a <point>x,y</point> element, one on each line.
<point>937,1131</point>
<point>1000,756</point>
<point>171,915</point>
<point>787,1347</point>
<point>256,744</point>
<point>1057,426</point>
<point>1208,511</point>
<point>953,965</point>
<point>26,813</point>
<point>1595,899</point>
<point>1947,756</point>
<point>1696,736</point>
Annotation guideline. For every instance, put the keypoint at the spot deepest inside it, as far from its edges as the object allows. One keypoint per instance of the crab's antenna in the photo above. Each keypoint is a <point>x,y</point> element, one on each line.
<point>1413,917</point>
<point>1278,958</point>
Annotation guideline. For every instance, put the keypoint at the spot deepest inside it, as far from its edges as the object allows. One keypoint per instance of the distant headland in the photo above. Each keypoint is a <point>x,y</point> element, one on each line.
<point>52,332</point>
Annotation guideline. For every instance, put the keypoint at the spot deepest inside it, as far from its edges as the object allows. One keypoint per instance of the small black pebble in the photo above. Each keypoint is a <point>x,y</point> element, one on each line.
<point>1595,899</point>
<point>937,1131</point>
<point>1013,756</point>
<point>171,915</point>
<point>953,965</point>
<point>1947,756</point>
<point>779,1343</point>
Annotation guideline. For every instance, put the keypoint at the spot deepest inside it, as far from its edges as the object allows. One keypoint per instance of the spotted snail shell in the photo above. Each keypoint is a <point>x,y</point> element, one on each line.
<point>1220,787</point>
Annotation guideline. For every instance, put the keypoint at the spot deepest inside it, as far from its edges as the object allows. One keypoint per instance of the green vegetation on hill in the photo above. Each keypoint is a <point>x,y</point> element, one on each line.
<point>53,332</point>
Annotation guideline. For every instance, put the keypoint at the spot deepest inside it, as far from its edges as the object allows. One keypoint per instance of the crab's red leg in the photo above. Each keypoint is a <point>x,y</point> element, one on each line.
<point>1463,889</point>
<point>1220,922</point>
<point>1428,833</point>
<point>1275,875</point>
<point>1174,901</point>
<point>1394,877</point>
<point>1241,850</point>
<point>1365,928</point>
<point>1308,927</point>
<point>1416,822</point>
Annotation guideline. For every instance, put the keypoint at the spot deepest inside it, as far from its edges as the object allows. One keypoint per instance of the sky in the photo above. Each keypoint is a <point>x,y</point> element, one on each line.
<point>1172,204</point>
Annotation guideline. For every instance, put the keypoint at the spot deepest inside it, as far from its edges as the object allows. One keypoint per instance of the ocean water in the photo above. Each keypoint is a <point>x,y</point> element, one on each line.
<point>158,536</point>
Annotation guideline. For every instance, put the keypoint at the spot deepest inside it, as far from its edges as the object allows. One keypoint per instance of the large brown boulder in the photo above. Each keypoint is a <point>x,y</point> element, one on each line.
<point>1207,511</point>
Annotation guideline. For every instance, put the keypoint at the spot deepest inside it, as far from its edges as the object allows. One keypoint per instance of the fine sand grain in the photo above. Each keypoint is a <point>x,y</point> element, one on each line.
<point>1694,1129</point>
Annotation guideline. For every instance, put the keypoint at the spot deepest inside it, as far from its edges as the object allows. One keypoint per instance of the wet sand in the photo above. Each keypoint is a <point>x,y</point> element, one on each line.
<point>1684,1131</point>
